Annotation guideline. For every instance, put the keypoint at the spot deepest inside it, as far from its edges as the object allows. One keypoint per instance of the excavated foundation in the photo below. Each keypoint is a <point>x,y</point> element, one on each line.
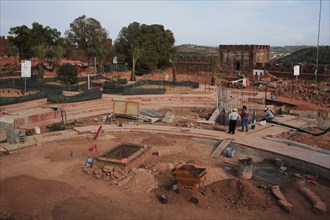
<point>124,155</point>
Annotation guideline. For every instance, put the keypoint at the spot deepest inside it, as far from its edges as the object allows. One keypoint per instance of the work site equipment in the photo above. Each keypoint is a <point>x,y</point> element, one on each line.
<point>190,177</point>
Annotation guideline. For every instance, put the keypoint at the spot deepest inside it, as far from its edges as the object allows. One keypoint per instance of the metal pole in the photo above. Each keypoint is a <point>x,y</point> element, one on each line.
<point>24,85</point>
<point>318,41</point>
<point>88,82</point>
<point>265,95</point>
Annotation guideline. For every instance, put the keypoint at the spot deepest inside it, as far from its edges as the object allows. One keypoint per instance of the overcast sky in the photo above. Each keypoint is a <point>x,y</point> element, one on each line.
<point>209,23</point>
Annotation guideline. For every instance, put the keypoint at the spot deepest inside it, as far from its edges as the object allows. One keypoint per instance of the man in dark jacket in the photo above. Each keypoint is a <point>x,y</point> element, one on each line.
<point>245,119</point>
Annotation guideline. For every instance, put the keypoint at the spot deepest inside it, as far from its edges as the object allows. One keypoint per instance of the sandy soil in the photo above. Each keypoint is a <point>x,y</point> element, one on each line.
<point>49,182</point>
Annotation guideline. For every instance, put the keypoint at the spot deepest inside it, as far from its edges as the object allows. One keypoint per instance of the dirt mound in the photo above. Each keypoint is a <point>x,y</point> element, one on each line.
<point>235,194</point>
<point>141,181</point>
<point>215,174</point>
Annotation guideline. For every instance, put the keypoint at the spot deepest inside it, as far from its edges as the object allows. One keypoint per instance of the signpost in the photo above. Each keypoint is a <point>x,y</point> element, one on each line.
<point>25,71</point>
<point>258,73</point>
<point>114,61</point>
<point>296,71</point>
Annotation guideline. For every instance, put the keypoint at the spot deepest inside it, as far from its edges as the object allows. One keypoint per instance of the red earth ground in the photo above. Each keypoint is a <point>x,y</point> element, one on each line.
<point>52,182</point>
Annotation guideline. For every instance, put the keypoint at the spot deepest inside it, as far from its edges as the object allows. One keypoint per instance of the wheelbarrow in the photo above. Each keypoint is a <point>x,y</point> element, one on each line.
<point>189,177</point>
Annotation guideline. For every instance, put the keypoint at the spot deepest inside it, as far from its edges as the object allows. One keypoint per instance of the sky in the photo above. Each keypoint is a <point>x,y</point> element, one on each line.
<point>199,22</point>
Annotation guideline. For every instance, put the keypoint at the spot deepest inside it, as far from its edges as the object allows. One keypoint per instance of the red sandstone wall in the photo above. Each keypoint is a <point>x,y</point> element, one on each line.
<point>4,47</point>
<point>242,57</point>
<point>193,65</point>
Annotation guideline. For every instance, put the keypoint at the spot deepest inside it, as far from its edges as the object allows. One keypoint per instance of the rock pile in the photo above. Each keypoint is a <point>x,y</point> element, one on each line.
<point>299,91</point>
<point>106,173</point>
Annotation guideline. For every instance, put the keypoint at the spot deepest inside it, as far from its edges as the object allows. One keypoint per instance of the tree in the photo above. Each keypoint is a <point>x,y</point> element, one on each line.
<point>173,64</point>
<point>85,33</point>
<point>58,53</point>
<point>25,39</point>
<point>214,67</point>
<point>136,54</point>
<point>68,74</point>
<point>41,51</point>
<point>14,53</point>
<point>101,55</point>
<point>154,40</point>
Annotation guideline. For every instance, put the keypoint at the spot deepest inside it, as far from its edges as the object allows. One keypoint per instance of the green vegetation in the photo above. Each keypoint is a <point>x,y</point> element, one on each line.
<point>286,49</point>
<point>56,127</point>
<point>306,56</point>
<point>154,40</point>
<point>85,34</point>
<point>136,54</point>
<point>195,50</point>
<point>26,39</point>
<point>68,74</point>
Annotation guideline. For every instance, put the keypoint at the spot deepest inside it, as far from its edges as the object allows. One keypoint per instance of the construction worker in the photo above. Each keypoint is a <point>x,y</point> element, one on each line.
<point>269,114</point>
<point>233,117</point>
<point>245,119</point>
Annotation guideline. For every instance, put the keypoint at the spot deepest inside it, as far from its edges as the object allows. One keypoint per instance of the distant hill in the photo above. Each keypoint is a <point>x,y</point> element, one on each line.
<point>278,54</point>
<point>195,50</point>
<point>306,55</point>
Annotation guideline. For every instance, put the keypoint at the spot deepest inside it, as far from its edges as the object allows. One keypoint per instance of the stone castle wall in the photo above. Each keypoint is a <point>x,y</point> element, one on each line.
<point>242,57</point>
<point>4,47</point>
<point>193,64</point>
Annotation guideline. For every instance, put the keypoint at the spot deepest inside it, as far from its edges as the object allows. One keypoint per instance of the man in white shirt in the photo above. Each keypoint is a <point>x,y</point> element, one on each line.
<point>233,117</point>
<point>269,115</point>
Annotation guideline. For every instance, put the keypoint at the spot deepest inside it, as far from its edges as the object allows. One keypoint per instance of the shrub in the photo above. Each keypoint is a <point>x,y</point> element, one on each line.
<point>56,127</point>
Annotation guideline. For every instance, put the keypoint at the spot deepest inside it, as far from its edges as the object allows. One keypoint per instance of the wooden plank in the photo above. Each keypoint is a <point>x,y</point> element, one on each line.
<point>215,115</point>
<point>217,152</point>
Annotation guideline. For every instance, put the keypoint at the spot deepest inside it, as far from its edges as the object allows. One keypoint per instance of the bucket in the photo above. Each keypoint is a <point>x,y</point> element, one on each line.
<point>230,152</point>
<point>37,130</point>
<point>245,169</point>
<point>90,161</point>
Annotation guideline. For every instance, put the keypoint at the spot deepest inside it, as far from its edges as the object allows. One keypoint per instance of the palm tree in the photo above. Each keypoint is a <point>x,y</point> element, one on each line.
<point>214,67</point>
<point>58,53</point>
<point>41,51</point>
<point>14,53</point>
<point>173,63</point>
<point>101,56</point>
<point>136,54</point>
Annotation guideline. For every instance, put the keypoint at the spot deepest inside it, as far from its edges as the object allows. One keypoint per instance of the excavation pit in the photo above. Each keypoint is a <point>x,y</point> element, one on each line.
<point>124,155</point>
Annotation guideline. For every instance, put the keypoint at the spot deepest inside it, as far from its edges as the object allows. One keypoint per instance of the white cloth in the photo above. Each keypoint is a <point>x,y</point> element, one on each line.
<point>234,116</point>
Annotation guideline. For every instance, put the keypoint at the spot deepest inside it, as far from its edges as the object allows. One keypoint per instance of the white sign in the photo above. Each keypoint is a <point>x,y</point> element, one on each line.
<point>296,70</point>
<point>258,72</point>
<point>114,61</point>
<point>26,68</point>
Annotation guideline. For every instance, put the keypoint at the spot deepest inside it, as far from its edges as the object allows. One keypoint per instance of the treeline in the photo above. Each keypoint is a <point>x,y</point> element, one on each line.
<point>149,47</point>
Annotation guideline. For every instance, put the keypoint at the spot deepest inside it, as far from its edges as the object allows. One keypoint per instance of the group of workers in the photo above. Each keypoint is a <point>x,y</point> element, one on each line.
<point>234,116</point>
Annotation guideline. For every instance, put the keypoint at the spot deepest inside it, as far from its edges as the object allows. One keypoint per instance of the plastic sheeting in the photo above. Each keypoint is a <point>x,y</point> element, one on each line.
<point>117,88</point>
<point>84,96</point>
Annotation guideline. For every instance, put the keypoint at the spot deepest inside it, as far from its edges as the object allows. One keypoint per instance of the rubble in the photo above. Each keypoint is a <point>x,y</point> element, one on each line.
<point>300,91</point>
